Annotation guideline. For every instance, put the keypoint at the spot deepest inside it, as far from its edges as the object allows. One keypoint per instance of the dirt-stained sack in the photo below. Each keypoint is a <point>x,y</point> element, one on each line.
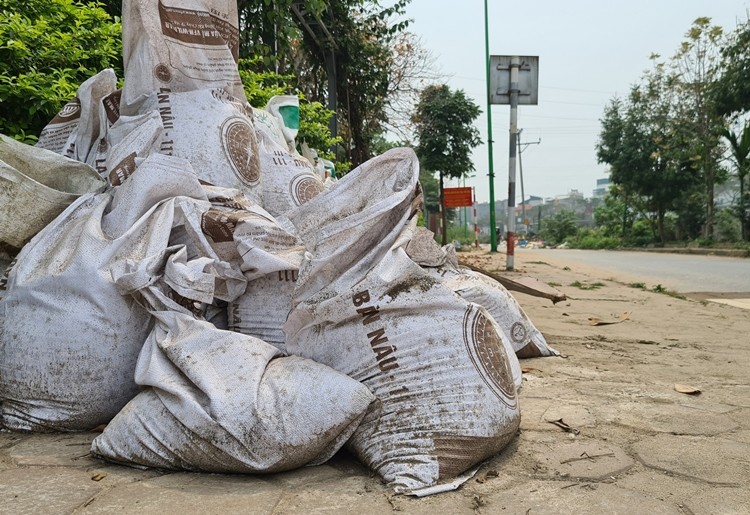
<point>214,132</point>
<point>264,307</point>
<point>36,185</point>
<point>179,46</point>
<point>68,339</point>
<point>436,363</point>
<point>267,123</point>
<point>74,132</point>
<point>129,140</point>
<point>519,330</point>
<point>225,402</point>
<point>289,179</point>
<point>441,262</point>
<point>220,401</point>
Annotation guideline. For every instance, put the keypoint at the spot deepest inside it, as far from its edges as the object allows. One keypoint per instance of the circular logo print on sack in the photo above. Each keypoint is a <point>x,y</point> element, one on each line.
<point>518,332</point>
<point>70,111</point>
<point>219,225</point>
<point>304,188</point>
<point>238,139</point>
<point>488,355</point>
<point>162,72</point>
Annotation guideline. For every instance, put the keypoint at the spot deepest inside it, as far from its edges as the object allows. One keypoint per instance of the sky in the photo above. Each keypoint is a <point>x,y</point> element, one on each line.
<point>589,52</point>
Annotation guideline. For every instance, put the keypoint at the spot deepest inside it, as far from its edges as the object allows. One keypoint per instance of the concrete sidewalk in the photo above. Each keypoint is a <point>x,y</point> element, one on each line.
<point>603,429</point>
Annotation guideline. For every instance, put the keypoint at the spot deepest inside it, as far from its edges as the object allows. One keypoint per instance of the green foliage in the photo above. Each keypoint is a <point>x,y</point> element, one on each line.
<point>662,142</point>
<point>354,38</point>
<point>463,235</point>
<point>587,238</point>
<point>260,85</point>
<point>445,131</point>
<point>731,93</point>
<point>268,30</point>
<point>739,145</point>
<point>47,49</point>
<point>560,227</point>
<point>728,228</point>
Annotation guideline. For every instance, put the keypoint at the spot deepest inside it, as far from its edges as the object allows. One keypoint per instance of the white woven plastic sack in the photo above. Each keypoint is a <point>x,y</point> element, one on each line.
<point>250,237</point>
<point>285,108</point>
<point>214,132</point>
<point>109,113</point>
<point>129,139</point>
<point>520,332</point>
<point>289,179</point>
<point>225,402</point>
<point>179,46</point>
<point>36,185</point>
<point>68,339</point>
<point>75,130</point>
<point>436,363</point>
<point>264,307</point>
<point>268,124</point>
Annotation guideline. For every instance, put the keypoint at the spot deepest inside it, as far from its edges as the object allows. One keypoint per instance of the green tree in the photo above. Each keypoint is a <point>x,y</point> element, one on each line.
<point>560,226</point>
<point>694,70</point>
<point>446,134</point>
<point>354,40</point>
<point>731,92</point>
<point>739,145</point>
<point>47,49</point>
<point>614,216</point>
<point>650,159</point>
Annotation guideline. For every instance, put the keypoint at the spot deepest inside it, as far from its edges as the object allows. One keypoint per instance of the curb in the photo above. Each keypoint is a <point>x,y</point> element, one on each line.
<point>737,253</point>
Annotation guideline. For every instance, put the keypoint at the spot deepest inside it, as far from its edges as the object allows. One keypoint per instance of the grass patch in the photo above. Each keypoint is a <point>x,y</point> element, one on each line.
<point>538,263</point>
<point>554,285</point>
<point>583,286</point>
<point>661,289</point>
<point>640,286</point>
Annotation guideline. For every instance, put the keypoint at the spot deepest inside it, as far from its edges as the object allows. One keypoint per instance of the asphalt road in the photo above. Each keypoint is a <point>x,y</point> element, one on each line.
<point>677,272</point>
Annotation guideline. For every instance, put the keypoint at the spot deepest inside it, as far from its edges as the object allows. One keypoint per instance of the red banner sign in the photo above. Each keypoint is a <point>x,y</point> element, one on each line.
<point>457,197</point>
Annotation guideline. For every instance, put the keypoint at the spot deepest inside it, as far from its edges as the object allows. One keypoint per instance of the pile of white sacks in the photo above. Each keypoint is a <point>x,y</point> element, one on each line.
<point>221,307</point>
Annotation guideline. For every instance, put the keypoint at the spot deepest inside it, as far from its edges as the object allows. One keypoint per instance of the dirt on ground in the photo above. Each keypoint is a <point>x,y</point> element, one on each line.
<point>647,410</point>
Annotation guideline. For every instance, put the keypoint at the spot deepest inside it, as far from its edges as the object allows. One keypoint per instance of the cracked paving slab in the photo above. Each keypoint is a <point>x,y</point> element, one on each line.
<point>556,497</point>
<point>55,490</point>
<point>713,460</point>
<point>696,496</point>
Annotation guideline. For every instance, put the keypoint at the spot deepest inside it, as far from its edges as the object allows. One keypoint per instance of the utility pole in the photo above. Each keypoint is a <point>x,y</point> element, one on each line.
<point>521,148</point>
<point>515,64</point>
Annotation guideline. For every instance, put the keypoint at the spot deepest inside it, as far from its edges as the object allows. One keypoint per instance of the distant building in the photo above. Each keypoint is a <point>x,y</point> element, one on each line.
<point>602,186</point>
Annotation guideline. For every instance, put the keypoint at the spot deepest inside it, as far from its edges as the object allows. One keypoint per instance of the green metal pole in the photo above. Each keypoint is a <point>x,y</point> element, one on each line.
<point>493,223</point>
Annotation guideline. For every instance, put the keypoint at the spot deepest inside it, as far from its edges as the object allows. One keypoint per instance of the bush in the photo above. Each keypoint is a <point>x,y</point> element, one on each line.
<point>457,233</point>
<point>560,227</point>
<point>640,234</point>
<point>593,239</point>
<point>47,49</point>
<point>728,228</point>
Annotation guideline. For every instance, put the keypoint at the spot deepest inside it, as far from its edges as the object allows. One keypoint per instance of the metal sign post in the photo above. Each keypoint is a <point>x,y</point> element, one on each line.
<point>514,81</point>
<point>490,159</point>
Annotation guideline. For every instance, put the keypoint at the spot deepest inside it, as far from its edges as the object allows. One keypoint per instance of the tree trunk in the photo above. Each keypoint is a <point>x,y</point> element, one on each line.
<point>708,229</point>
<point>743,211</point>
<point>660,226</point>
